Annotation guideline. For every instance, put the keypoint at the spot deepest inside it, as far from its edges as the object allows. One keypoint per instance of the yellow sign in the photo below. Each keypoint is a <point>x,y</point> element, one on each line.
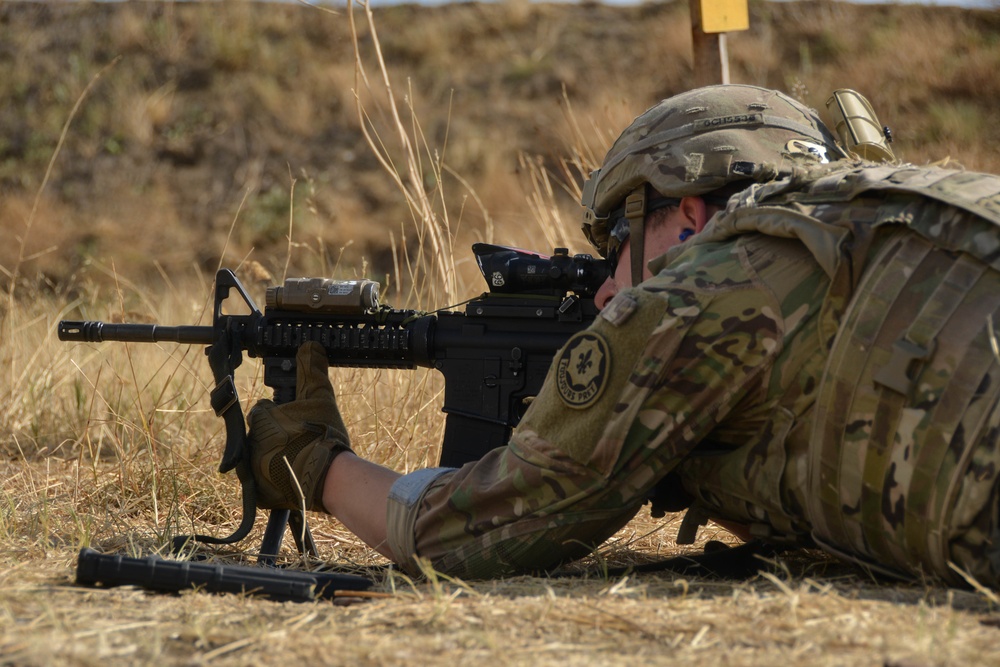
<point>724,15</point>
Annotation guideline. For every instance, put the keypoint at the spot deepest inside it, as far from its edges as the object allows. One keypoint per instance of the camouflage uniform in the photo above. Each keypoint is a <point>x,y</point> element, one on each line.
<point>816,364</point>
<point>897,463</point>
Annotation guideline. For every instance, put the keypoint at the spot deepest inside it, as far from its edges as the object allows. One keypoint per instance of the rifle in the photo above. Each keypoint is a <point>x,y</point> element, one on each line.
<point>174,576</point>
<point>494,356</point>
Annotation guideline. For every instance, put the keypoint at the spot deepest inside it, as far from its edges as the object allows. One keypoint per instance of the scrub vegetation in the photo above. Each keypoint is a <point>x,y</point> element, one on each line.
<point>144,145</point>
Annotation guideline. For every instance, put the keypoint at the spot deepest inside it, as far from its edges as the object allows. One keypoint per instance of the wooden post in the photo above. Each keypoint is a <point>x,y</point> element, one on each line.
<point>710,21</point>
<point>705,47</point>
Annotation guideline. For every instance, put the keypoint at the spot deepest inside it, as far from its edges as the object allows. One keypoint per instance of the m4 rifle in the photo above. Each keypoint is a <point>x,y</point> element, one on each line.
<point>494,355</point>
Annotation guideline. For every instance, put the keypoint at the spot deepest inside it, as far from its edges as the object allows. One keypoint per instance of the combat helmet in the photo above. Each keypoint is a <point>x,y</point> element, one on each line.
<point>709,140</point>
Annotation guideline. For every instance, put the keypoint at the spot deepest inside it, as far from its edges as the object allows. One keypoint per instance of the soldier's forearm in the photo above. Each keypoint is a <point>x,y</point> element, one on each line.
<point>356,491</point>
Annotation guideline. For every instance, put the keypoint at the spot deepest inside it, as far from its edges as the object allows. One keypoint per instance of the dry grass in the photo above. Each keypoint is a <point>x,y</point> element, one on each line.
<point>115,447</point>
<point>805,611</point>
<point>221,105</point>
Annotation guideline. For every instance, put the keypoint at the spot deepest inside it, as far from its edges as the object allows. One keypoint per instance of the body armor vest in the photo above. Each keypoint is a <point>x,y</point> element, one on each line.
<point>903,460</point>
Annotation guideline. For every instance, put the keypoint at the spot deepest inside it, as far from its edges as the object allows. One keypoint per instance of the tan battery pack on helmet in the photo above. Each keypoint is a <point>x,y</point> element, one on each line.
<point>858,127</point>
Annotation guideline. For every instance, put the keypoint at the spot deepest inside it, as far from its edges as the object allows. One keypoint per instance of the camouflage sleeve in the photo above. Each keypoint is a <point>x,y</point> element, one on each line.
<point>623,402</point>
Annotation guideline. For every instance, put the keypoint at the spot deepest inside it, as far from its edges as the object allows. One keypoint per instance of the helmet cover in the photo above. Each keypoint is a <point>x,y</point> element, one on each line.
<point>703,140</point>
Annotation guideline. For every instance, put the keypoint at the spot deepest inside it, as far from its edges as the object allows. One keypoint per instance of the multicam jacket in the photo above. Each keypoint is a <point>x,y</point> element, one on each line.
<point>897,466</point>
<point>817,364</point>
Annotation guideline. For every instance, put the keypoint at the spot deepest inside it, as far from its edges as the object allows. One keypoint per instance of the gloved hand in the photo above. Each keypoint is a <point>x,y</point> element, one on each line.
<point>308,432</point>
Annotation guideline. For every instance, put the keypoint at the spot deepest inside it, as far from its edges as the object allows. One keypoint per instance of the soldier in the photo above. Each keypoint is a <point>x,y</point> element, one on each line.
<point>809,359</point>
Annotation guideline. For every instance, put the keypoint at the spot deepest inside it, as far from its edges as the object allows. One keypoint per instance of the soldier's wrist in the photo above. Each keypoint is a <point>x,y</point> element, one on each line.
<point>336,448</point>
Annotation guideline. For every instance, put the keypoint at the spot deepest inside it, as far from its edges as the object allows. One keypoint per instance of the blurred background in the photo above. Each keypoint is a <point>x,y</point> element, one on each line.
<point>230,133</point>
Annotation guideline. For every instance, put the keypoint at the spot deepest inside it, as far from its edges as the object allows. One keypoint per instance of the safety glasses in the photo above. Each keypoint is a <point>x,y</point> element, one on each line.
<point>619,227</point>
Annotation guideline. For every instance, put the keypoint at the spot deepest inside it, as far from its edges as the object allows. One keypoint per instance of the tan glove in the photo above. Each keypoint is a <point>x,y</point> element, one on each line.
<point>308,432</point>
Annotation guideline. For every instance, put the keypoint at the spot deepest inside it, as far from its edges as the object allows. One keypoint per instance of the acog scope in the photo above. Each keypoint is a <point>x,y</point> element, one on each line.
<point>512,270</point>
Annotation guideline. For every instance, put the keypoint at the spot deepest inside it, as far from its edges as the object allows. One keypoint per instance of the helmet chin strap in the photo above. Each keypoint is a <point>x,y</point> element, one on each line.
<point>635,213</point>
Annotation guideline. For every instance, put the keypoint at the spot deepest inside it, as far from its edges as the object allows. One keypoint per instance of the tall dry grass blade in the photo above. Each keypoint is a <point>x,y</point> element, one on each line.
<point>291,226</point>
<point>430,227</point>
<point>979,588</point>
<point>48,173</point>
<point>541,200</point>
<point>21,257</point>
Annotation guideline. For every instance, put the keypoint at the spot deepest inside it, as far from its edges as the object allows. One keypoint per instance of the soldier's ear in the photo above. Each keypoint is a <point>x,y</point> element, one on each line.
<point>696,213</point>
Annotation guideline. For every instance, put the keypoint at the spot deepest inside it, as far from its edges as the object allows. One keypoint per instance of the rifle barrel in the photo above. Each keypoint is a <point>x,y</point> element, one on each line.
<point>91,331</point>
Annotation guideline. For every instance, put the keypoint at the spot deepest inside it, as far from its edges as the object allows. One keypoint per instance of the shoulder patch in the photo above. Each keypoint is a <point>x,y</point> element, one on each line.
<point>583,370</point>
<point>619,309</point>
